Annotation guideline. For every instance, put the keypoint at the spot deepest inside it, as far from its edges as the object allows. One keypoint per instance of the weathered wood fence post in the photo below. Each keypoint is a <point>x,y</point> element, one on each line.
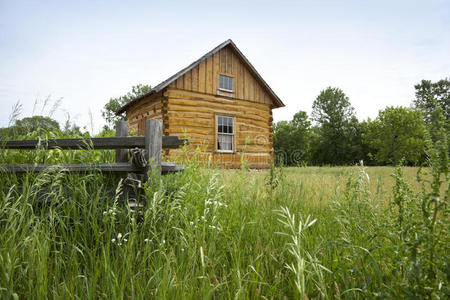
<point>153,146</point>
<point>121,131</point>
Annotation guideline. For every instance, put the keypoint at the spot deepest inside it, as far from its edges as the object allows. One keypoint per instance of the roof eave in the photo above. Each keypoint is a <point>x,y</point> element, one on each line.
<point>126,106</point>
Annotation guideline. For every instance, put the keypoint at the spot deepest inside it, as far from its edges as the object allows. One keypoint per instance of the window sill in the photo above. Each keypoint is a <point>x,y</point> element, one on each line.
<point>225,151</point>
<point>225,93</point>
<point>225,90</point>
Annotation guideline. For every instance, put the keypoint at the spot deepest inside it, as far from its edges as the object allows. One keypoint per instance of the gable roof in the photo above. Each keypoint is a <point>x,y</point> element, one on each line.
<point>174,77</point>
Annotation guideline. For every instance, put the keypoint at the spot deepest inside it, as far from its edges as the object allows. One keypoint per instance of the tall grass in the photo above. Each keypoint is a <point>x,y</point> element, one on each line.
<point>308,233</point>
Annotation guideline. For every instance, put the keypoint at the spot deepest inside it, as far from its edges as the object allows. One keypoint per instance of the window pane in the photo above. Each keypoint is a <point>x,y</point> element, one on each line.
<point>220,142</point>
<point>220,123</point>
<point>229,143</point>
<point>226,82</point>
<point>224,124</point>
<point>225,142</point>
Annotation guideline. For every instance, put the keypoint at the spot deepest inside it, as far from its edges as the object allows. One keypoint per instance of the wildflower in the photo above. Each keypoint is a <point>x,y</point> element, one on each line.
<point>146,240</point>
<point>120,239</point>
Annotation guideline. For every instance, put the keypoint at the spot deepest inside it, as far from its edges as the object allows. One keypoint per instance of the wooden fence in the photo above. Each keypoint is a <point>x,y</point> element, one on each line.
<point>137,154</point>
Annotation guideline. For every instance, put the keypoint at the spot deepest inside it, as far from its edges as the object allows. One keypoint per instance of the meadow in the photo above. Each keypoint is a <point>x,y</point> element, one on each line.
<point>285,233</point>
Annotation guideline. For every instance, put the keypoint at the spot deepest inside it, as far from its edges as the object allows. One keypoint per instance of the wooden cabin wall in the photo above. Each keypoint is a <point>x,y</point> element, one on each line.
<point>194,114</point>
<point>149,107</point>
<point>189,106</point>
<point>204,78</point>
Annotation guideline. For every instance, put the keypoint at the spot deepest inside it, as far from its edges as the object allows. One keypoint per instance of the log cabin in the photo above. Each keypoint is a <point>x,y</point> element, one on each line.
<point>220,102</point>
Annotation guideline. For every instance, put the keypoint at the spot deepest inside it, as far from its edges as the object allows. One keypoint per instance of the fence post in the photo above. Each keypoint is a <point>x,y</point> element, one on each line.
<point>153,146</point>
<point>122,130</point>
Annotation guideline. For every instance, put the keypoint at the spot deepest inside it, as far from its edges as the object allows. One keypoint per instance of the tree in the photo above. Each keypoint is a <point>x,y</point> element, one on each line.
<point>338,128</point>
<point>114,104</point>
<point>397,133</point>
<point>291,140</point>
<point>428,94</point>
<point>36,124</point>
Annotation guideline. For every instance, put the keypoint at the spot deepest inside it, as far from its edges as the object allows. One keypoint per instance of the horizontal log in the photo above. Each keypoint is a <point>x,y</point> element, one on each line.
<point>146,112</point>
<point>168,142</point>
<point>205,108</point>
<point>217,105</point>
<point>166,167</point>
<point>187,122</point>
<point>182,94</point>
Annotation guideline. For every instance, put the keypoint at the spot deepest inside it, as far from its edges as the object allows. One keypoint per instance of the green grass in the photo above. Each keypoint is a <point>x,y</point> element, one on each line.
<point>329,232</point>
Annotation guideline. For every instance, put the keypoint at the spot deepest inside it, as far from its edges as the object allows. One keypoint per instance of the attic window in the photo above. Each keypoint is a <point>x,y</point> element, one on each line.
<point>226,83</point>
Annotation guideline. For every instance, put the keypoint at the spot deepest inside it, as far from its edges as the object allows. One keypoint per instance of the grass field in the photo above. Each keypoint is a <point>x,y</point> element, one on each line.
<point>308,233</point>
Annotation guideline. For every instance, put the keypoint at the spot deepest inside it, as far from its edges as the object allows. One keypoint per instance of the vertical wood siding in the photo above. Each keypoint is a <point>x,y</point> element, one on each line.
<point>204,78</point>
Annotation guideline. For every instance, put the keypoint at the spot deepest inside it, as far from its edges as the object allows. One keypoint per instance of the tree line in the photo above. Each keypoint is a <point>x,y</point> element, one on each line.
<point>332,135</point>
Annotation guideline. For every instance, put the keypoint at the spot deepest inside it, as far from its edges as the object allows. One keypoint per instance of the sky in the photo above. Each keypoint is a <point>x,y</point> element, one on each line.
<point>86,52</point>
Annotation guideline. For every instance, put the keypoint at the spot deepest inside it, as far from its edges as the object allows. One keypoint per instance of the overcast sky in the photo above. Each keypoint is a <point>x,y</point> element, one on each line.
<point>89,51</point>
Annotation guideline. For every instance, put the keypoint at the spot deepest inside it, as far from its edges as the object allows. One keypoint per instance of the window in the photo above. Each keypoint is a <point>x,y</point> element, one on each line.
<point>225,134</point>
<point>226,83</point>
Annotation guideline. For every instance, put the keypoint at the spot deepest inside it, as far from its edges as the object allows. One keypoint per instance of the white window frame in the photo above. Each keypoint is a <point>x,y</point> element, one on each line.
<point>232,83</point>
<point>225,134</point>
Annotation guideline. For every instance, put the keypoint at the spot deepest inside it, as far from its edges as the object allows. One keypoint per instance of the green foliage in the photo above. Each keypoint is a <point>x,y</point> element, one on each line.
<point>305,266</point>
<point>291,140</point>
<point>428,94</point>
<point>332,106</point>
<point>114,104</point>
<point>397,133</point>
<point>36,124</point>
<point>273,178</point>
<point>71,129</point>
<point>339,133</point>
<point>420,234</point>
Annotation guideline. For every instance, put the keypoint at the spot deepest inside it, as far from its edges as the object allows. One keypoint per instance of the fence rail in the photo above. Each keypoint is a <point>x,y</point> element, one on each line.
<point>166,167</point>
<point>126,142</point>
<point>144,156</point>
